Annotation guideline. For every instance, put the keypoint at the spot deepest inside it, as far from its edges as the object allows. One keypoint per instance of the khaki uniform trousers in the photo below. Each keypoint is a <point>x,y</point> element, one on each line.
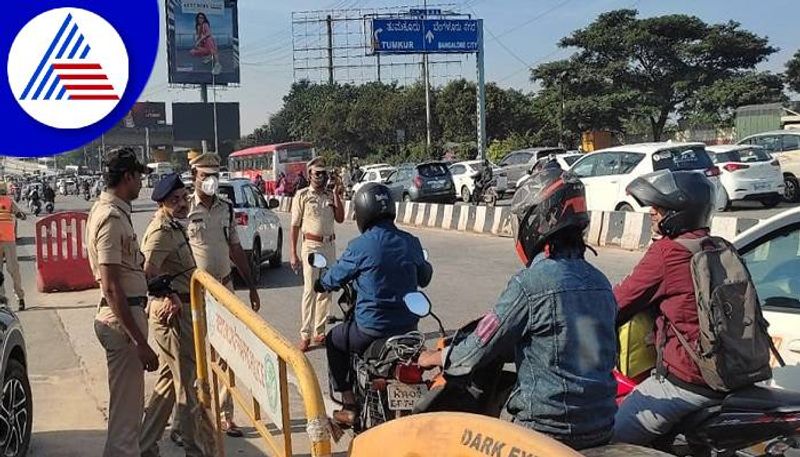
<point>314,306</point>
<point>125,386</point>
<point>8,252</point>
<point>175,386</point>
<point>225,399</point>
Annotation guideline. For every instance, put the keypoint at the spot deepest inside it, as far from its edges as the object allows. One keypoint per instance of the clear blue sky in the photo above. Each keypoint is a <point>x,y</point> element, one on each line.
<point>527,32</point>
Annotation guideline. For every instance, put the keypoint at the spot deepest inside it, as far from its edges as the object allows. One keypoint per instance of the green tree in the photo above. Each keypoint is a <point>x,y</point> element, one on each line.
<point>716,104</point>
<point>660,62</point>
<point>792,74</point>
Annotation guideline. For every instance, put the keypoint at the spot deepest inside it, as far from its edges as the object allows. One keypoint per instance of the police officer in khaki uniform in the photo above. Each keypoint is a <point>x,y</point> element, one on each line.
<point>314,210</point>
<point>9,212</point>
<point>168,266</point>
<point>215,244</point>
<point>121,323</point>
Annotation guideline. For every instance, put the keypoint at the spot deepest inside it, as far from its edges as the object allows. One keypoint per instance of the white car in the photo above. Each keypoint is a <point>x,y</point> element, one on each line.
<point>374,174</point>
<point>565,161</point>
<point>748,173</point>
<point>259,229</point>
<point>607,172</point>
<point>464,178</point>
<point>784,145</point>
<point>771,250</point>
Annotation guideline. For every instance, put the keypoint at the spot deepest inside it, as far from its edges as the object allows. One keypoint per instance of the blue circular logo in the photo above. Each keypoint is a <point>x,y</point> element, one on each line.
<point>74,70</point>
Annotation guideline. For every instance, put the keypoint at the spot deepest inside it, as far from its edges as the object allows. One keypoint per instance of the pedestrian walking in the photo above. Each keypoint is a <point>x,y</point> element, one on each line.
<point>215,243</point>
<point>121,323</point>
<point>168,265</point>
<point>314,210</point>
<point>9,212</point>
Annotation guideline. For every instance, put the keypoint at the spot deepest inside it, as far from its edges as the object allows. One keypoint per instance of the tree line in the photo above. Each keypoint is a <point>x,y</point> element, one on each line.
<point>627,75</point>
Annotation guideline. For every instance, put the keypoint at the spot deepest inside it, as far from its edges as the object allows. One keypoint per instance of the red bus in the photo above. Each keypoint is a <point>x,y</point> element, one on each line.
<point>271,160</point>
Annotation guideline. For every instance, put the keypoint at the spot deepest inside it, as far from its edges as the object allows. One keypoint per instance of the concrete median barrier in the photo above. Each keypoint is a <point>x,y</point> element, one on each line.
<point>626,230</point>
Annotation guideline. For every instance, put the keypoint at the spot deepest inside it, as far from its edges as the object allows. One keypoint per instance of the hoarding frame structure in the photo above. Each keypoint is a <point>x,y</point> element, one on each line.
<point>422,33</point>
<point>228,51</point>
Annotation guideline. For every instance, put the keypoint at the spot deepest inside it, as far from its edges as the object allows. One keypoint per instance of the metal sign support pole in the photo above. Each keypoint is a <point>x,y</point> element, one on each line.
<point>425,69</point>
<point>214,100</point>
<point>481,94</point>
<point>204,99</point>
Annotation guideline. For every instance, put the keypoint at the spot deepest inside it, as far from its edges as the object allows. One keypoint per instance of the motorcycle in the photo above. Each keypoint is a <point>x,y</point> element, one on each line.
<point>488,195</point>
<point>87,195</point>
<point>745,418</point>
<point>35,206</point>
<point>49,207</point>
<point>387,379</point>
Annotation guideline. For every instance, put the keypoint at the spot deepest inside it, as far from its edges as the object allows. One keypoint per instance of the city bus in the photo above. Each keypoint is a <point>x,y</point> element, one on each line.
<point>270,161</point>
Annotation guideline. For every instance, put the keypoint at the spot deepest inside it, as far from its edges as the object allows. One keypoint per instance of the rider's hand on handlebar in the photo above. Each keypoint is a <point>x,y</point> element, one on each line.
<point>430,359</point>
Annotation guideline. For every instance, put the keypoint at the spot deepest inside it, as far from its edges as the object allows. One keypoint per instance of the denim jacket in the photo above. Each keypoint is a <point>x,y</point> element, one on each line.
<point>558,316</point>
<point>385,263</point>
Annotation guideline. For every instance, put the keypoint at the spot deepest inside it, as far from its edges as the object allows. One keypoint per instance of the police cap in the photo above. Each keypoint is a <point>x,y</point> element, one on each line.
<point>165,186</point>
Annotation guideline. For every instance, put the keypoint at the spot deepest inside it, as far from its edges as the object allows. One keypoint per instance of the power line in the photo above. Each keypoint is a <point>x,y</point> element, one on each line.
<point>533,19</point>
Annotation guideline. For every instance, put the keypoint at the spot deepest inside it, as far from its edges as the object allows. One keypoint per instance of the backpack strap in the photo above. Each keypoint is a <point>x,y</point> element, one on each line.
<point>693,245</point>
<point>683,342</point>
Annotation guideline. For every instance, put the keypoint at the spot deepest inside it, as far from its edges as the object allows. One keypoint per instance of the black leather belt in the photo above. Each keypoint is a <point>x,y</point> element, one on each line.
<point>132,301</point>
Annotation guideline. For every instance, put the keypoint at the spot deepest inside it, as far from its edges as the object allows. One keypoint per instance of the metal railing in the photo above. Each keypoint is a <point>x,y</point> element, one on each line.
<point>248,342</point>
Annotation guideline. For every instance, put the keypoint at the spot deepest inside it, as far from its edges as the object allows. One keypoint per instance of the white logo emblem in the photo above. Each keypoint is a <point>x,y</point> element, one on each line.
<point>68,68</point>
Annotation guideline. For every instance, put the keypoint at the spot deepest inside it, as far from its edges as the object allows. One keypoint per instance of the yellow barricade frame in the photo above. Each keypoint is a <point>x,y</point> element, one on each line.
<point>308,384</point>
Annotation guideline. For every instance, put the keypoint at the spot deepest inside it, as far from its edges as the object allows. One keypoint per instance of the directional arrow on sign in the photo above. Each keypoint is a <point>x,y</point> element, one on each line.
<point>429,36</point>
<point>377,32</point>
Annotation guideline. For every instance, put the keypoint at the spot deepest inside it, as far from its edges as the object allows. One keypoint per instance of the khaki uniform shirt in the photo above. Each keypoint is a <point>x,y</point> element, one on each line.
<point>111,240</point>
<point>165,245</point>
<point>211,233</point>
<point>313,212</point>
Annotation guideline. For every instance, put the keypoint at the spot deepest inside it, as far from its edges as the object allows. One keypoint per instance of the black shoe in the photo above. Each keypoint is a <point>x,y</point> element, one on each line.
<point>21,304</point>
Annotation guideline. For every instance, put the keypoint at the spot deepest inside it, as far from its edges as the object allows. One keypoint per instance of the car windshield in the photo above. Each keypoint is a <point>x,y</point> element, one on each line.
<point>432,170</point>
<point>742,155</point>
<point>385,173</point>
<point>571,159</point>
<point>683,158</point>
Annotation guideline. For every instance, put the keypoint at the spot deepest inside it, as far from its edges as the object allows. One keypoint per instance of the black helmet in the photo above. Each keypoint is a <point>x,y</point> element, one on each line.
<point>372,204</point>
<point>686,196</point>
<point>547,203</point>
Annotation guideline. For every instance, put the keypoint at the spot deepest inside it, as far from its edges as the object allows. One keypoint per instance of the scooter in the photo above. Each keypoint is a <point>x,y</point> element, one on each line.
<point>745,418</point>
<point>35,205</point>
<point>388,381</point>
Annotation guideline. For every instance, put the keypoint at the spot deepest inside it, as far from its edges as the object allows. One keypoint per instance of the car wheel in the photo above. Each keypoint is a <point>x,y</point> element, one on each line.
<point>625,207</point>
<point>771,202</point>
<point>16,413</point>
<point>465,194</point>
<point>792,189</point>
<point>277,259</point>
<point>255,262</point>
<point>407,198</point>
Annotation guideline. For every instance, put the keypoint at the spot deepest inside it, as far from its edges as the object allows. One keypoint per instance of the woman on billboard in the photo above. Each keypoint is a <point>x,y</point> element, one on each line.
<point>205,45</point>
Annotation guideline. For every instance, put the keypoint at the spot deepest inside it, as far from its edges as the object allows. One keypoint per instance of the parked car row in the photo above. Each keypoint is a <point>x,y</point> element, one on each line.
<point>784,145</point>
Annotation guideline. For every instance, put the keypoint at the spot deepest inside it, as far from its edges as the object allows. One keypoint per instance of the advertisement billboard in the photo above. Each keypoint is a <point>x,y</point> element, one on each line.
<point>145,114</point>
<point>202,42</point>
<point>195,121</point>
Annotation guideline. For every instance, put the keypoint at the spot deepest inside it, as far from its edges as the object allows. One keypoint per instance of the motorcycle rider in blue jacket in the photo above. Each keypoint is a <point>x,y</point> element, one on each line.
<point>557,318</point>
<point>384,263</point>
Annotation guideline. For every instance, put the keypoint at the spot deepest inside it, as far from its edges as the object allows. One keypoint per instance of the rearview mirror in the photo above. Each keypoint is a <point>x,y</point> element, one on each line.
<point>273,203</point>
<point>418,303</point>
<point>317,260</point>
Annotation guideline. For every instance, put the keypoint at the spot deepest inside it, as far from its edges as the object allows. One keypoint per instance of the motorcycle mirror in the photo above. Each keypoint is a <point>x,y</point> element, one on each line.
<point>425,254</point>
<point>317,260</point>
<point>418,303</point>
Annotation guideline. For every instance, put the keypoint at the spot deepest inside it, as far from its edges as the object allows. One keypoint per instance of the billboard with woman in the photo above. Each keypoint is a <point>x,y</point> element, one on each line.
<point>202,41</point>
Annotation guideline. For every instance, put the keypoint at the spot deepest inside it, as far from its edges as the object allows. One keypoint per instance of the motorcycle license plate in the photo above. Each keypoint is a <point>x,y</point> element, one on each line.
<point>403,397</point>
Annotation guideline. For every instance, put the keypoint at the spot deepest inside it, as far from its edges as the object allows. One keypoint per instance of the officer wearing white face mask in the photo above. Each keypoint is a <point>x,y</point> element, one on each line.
<point>215,244</point>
